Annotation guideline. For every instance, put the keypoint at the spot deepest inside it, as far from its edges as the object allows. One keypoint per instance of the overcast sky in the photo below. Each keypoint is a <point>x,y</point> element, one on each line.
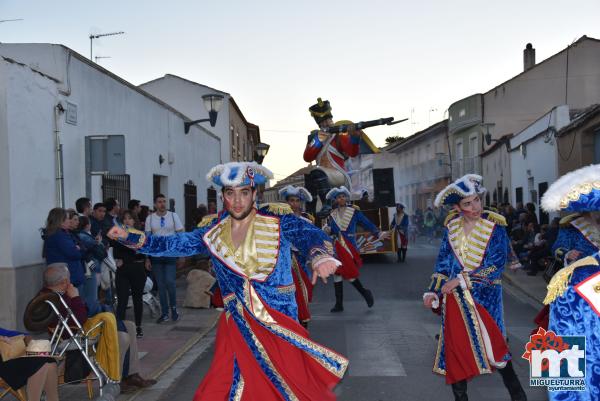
<point>371,58</point>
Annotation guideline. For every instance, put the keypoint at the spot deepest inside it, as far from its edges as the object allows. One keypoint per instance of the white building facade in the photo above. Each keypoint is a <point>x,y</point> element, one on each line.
<point>103,125</point>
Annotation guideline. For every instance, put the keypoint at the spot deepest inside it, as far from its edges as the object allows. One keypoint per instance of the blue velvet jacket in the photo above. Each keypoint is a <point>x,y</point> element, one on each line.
<point>569,237</point>
<point>346,225</point>
<point>274,285</point>
<point>402,225</point>
<point>573,315</point>
<point>482,279</point>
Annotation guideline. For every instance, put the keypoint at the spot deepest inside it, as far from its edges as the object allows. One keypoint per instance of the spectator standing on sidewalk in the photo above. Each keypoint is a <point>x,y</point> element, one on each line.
<point>95,254</point>
<point>163,223</point>
<point>131,275</point>
<point>84,206</point>
<point>429,223</point>
<point>60,246</point>
<point>97,219</point>
<point>135,207</point>
<point>112,212</point>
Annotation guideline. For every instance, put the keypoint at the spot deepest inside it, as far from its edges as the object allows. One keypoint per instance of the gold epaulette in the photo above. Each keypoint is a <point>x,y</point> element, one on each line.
<point>560,282</point>
<point>356,207</point>
<point>451,216</point>
<point>310,217</point>
<point>206,220</point>
<point>495,218</point>
<point>277,208</point>
<point>566,221</point>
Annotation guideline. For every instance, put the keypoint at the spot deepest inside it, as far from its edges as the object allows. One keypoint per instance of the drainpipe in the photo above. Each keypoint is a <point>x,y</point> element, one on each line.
<point>60,183</point>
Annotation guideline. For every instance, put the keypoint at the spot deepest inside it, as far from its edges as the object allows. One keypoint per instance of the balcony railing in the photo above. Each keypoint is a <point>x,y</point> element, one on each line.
<point>430,170</point>
<point>469,165</point>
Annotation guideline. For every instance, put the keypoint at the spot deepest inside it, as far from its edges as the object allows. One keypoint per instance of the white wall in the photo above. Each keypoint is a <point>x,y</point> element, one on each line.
<point>106,106</point>
<point>186,97</point>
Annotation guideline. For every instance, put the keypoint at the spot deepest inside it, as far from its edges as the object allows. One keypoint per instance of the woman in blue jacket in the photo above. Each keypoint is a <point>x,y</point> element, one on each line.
<point>60,246</point>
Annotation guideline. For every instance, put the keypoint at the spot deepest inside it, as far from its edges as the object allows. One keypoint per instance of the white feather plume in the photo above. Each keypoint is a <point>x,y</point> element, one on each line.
<point>337,191</point>
<point>561,187</point>
<point>471,181</point>
<point>298,191</point>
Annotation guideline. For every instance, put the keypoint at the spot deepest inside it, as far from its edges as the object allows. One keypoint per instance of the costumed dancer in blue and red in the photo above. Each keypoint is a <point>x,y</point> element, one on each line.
<point>342,224</point>
<point>574,291</point>
<point>400,227</point>
<point>466,287</point>
<point>578,235</point>
<point>261,352</point>
<point>295,196</point>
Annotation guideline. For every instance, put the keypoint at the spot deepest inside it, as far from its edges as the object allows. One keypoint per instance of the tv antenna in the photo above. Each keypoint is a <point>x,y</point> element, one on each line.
<point>100,35</point>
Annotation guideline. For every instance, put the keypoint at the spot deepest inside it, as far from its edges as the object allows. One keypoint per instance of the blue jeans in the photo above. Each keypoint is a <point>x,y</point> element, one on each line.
<point>90,294</point>
<point>164,270</point>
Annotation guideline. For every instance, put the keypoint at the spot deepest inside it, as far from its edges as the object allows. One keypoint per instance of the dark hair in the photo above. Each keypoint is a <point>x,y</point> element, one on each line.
<point>54,220</point>
<point>144,212</point>
<point>83,221</point>
<point>159,196</point>
<point>110,204</point>
<point>71,213</point>
<point>81,204</point>
<point>132,204</point>
<point>99,205</point>
<point>124,213</point>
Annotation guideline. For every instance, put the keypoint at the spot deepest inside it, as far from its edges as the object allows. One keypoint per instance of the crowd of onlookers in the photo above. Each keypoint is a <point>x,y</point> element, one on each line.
<point>97,277</point>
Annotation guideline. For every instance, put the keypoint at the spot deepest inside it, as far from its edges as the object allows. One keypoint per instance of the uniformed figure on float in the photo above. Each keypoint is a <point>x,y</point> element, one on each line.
<point>574,291</point>
<point>400,227</point>
<point>466,288</point>
<point>295,197</point>
<point>330,152</point>
<point>261,352</point>
<point>342,224</point>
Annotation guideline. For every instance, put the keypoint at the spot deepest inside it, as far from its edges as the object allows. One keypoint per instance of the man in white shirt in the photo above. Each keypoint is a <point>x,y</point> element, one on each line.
<point>164,223</point>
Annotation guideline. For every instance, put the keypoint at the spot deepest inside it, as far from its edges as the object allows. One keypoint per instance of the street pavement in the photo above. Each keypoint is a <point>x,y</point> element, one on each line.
<point>391,346</point>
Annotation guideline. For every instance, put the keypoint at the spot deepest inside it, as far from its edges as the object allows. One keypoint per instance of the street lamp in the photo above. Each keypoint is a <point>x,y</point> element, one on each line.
<point>212,103</point>
<point>261,150</point>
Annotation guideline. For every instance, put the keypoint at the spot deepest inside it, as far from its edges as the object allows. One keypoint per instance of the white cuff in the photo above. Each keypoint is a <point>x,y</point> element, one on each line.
<point>436,302</point>
<point>463,283</point>
<point>327,259</point>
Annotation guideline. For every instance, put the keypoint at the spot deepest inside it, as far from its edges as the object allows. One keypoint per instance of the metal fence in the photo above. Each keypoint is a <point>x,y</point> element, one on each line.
<point>116,186</point>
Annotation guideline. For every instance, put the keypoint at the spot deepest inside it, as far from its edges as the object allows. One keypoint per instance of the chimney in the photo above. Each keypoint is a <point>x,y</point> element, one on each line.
<point>528,57</point>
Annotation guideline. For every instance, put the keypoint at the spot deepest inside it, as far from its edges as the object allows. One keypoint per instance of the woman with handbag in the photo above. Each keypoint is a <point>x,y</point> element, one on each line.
<point>38,373</point>
<point>131,275</point>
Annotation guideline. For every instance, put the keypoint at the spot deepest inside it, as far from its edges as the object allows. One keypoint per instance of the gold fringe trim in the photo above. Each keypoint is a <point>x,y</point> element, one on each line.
<point>451,216</point>
<point>278,208</point>
<point>566,221</point>
<point>206,220</point>
<point>560,282</point>
<point>495,218</point>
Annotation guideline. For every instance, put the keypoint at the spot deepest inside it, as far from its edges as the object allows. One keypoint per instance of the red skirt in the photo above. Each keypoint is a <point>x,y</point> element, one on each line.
<point>350,258</point>
<point>304,290</point>
<point>402,240</point>
<point>306,378</point>
<point>459,354</point>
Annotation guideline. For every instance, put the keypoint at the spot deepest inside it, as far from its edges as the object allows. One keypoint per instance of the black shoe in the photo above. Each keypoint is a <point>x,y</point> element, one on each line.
<point>139,333</point>
<point>162,319</point>
<point>367,294</point>
<point>339,297</point>
<point>174,314</point>
<point>460,391</point>
<point>337,308</point>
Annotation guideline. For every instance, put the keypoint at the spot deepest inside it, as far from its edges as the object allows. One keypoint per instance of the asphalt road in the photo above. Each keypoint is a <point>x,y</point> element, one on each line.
<point>391,346</point>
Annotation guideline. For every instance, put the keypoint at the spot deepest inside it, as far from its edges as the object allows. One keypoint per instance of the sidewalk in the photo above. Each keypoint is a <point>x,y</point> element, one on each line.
<point>534,287</point>
<point>162,345</point>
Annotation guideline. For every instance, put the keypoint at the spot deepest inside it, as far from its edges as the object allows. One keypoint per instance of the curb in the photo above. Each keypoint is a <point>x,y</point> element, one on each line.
<point>176,356</point>
<point>514,284</point>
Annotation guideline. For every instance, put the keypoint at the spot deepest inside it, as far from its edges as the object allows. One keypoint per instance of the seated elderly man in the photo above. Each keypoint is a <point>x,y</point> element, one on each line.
<point>113,344</point>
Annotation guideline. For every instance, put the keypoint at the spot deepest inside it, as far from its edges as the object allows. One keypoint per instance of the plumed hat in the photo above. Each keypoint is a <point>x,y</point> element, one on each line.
<point>320,111</point>
<point>299,192</point>
<point>467,185</point>
<point>238,174</point>
<point>333,193</point>
<point>577,191</point>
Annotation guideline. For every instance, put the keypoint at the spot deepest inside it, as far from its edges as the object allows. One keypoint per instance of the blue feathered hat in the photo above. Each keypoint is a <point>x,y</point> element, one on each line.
<point>333,193</point>
<point>577,191</point>
<point>238,174</point>
<point>299,192</point>
<point>467,185</point>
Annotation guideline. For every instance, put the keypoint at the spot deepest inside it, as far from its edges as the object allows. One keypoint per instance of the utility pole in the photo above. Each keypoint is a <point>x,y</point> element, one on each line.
<point>100,35</point>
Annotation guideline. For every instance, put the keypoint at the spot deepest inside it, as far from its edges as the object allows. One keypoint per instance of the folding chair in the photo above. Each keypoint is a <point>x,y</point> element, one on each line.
<point>5,389</point>
<point>44,310</point>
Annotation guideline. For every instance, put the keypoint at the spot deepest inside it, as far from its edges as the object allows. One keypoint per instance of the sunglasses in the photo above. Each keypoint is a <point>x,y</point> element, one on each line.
<point>162,221</point>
